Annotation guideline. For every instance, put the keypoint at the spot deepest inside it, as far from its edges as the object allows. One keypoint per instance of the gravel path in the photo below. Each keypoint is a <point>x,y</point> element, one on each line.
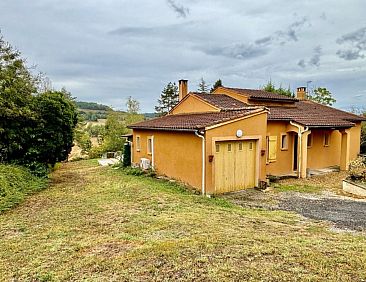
<point>344,213</point>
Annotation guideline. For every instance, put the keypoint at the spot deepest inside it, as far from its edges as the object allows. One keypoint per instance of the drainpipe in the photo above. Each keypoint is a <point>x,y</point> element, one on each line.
<point>202,136</point>
<point>152,153</point>
<point>299,153</point>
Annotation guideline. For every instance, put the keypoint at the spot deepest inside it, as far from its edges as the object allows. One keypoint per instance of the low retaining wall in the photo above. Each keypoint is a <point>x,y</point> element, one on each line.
<point>354,188</point>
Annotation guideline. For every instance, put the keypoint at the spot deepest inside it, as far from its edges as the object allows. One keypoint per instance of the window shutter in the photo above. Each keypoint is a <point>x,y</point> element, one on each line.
<point>272,148</point>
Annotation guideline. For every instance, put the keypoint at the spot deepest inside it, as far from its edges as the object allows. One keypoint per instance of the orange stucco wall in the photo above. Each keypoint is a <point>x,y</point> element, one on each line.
<point>193,104</point>
<point>318,155</point>
<point>252,127</point>
<point>355,141</point>
<point>284,162</point>
<point>176,154</point>
<point>233,94</point>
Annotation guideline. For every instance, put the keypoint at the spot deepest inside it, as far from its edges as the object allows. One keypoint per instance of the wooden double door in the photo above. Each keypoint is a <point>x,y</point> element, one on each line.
<point>235,165</point>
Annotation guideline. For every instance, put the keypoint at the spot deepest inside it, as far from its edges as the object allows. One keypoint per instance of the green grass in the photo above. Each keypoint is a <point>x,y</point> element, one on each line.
<point>100,224</point>
<point>15,184</point>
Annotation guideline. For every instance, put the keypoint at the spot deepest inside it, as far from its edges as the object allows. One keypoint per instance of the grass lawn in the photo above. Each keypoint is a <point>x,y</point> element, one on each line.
<point>98,224</point>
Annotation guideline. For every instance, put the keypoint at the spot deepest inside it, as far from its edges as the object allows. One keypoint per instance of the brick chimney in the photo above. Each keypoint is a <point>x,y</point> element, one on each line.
<point>301,93</point>
<point>183,88</point>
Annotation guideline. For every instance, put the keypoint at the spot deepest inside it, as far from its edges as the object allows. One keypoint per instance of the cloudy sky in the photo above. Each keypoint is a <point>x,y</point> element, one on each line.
<point>105,51</point>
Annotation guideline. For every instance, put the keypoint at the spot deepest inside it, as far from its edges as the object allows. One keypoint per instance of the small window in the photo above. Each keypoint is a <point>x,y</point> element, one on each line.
<point>250,146</point>
<point>149,145</point>
<point>229,147</point>
<point>241,146</point>
<point>138,143</point>
<point>217,148</point>
<point>310,140</point>
<point>284,142</point>
<point>326,139</point>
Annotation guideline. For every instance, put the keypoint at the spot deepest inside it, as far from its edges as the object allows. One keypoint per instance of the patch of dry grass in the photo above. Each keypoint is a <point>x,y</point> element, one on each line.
<point>96,223</point>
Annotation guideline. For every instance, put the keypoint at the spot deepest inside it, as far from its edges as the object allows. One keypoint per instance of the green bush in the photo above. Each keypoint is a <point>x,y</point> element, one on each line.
<point>15,183</point>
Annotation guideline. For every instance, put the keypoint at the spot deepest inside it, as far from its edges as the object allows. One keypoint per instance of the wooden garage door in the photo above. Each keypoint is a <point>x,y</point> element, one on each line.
<point>235,165</point>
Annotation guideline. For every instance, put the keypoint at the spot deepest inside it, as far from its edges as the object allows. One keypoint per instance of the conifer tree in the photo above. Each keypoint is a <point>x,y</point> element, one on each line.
<point>217,84</point>
<point>270,87</point>
<point>168,99</point>
<point>203,86</point>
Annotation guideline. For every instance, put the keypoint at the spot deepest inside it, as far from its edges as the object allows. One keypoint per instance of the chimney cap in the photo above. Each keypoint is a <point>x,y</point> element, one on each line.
<point>183,80</point>
<point>301,88</point>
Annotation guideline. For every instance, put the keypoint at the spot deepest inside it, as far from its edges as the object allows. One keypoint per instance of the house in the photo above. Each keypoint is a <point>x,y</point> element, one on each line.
<point>235,138</point>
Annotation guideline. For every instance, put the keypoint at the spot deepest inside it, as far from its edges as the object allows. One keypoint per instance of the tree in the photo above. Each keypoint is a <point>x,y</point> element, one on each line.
<point>203,86</point>
<point>36,124</point>
<point>133,106</point>
<point>217,84</point>
<point>17,86</point>
<point>115,127</point>
<point>270,87</point>
<point>52,137</point>
<point>168,99</point>
<point>323,96</point>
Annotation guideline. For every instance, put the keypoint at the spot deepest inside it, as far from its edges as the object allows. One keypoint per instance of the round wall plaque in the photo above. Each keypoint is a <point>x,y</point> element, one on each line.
<point>239,133</point>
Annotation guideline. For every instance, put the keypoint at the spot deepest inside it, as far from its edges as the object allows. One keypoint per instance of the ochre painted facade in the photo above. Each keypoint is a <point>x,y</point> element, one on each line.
<point>178,154</point>
<point>192,104</point>
<point>254,128</point>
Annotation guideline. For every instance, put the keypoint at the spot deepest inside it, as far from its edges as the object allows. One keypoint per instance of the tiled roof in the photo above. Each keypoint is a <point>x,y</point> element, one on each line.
<point>312,114</point>
<point>262,95</point>
<point>193,121</point>
<point>223,102</point>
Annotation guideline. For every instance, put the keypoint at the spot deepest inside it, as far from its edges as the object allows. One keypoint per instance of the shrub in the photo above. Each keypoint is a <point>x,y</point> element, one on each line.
<point>357,169</point>
<point>15,183</point>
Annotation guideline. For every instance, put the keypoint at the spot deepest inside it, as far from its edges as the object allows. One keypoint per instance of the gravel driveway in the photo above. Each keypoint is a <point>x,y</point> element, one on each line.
<point>344,213</point>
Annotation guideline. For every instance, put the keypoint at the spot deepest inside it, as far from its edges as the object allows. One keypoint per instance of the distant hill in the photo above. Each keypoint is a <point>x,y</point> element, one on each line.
<point>149,115</point>
<point>92,106</point>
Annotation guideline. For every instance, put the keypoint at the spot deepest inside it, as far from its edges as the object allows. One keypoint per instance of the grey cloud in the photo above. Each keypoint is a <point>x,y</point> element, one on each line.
<point>315,59</point>
<point>355,45</point>
<point>301,63</point>
<point>291,33</point>
<point>237,51</point>
<point>350,55</point>
<point>263,41</point>
<point>179,9</point>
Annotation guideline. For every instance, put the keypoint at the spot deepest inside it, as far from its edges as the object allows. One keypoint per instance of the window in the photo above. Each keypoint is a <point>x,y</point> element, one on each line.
<point>149,145</point>
<point>250,146</point>
<point>310,140</point>
<point>284,141</point>
<point>272,148</point>
<point>138,143</point>
<point>229,147</point>
<point>326,139</point>
<point>240,146</point>
<point>217,148</point>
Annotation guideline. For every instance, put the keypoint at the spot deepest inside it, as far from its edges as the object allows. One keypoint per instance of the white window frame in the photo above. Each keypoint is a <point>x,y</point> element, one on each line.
<point>284,148</point>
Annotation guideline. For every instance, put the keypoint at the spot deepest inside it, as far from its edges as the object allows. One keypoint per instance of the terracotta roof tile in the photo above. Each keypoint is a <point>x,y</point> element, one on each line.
<point>262,95</point>
<point>223,102</point>
<point>312,114</point>
<point>193,121</point>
